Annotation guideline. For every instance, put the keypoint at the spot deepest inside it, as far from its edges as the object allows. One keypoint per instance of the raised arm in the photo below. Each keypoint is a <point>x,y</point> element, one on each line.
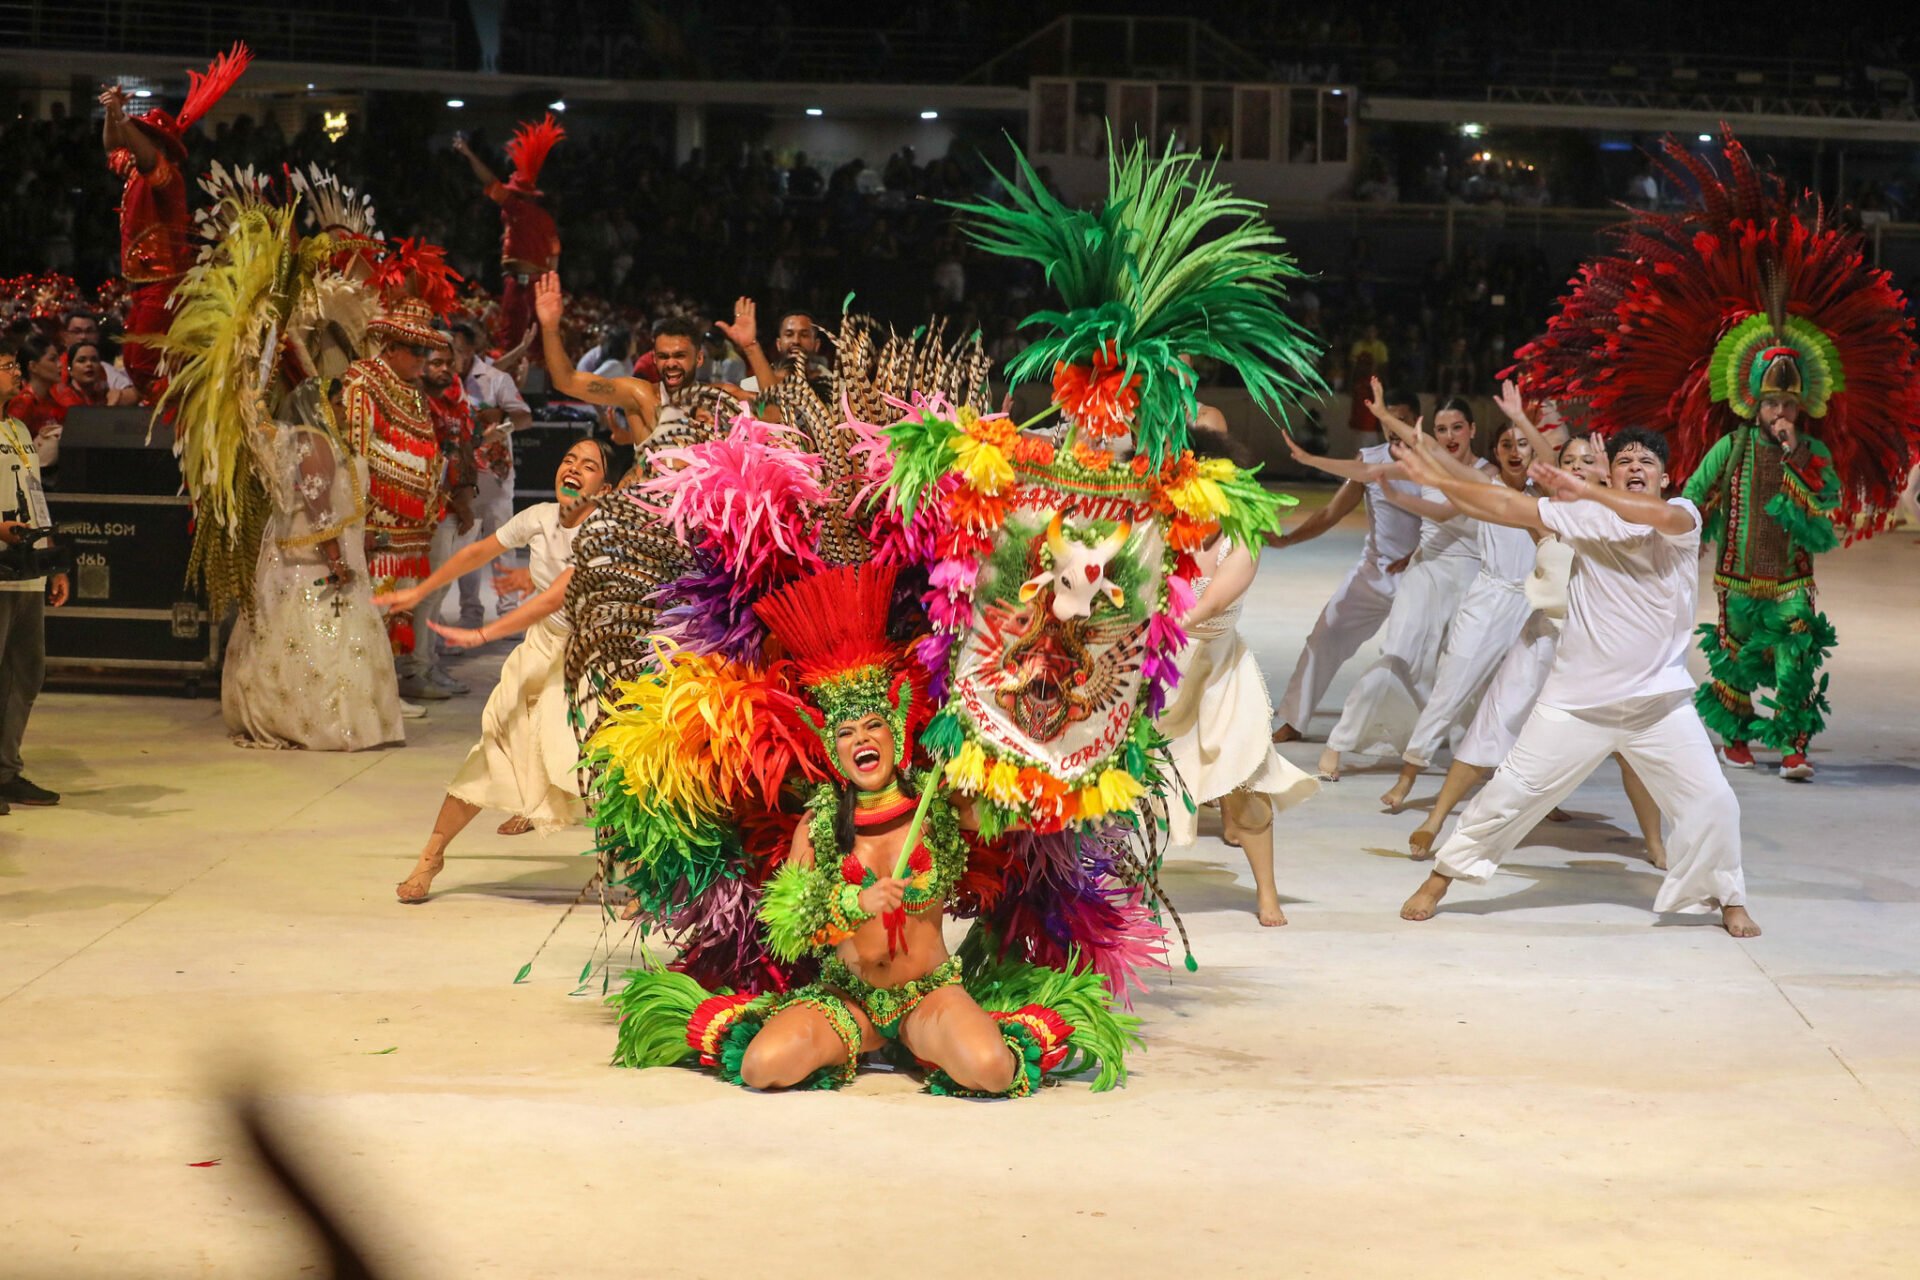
<point>117,133</point>
<point>1511,403</point>
<point>635,395</point>
<point>1344,500</point>
<point>744,333</point>
<point>488,178</point>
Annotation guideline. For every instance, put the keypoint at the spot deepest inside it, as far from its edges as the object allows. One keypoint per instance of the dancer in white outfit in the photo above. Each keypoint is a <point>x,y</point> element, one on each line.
<point>1486,625</point>
<point>1619,680</point>
<point>1383,705</point>
<point>1359,605</point>
<point>525,760</point>
<point>1516,686</point>
<point>1217,726</point>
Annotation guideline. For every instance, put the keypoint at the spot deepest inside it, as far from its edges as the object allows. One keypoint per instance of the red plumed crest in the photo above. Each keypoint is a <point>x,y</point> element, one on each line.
<point>203,90</point>
<point>834,621</point>
<point>416,269</point>
<point>528,150</point>
<point>1636,333</point>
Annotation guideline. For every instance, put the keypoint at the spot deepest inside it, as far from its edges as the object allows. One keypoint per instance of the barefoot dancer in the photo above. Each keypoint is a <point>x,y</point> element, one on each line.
<point>1382,706</point>
<point>1483,629</point>
<point>524,761</point>
<point>1359,605</point>
<point>1217,720</point>
<point>1516,685</point>
<point>1619,680</point>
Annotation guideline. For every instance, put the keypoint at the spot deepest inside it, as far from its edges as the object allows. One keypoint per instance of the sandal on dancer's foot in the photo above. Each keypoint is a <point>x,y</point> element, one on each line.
<point>514,826</point>
<point>1420,845</point>
<point>1287,733</point>
<point>415,889</point>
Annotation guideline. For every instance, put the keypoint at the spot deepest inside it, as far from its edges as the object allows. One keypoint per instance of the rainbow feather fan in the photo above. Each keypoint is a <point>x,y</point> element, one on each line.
<point>701,736</point>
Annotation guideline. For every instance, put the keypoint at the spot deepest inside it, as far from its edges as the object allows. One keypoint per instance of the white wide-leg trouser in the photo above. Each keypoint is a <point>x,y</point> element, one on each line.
<point>1356,610</point>
<point>1662,738</point>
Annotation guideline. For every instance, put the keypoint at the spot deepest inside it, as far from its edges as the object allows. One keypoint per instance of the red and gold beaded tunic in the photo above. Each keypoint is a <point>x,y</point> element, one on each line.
<point>388,424</point>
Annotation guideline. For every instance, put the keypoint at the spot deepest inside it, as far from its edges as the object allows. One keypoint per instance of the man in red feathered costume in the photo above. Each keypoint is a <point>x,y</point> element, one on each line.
<point>150,154</point>
<point>529,238</point>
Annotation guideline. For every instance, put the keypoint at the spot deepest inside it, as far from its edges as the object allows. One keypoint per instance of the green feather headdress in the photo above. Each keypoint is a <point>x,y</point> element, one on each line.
<point>1142,274</point>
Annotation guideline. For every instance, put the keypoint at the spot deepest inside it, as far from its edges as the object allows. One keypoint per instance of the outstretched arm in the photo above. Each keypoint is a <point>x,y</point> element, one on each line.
<point>460,563</point>
<point>1420,505</point>
<point>529,612</point>
<point>488,178</point>
<point>1648,509</point>
<point>1345,468</point>
<point>1344,500</point>
<point>1494,503</point>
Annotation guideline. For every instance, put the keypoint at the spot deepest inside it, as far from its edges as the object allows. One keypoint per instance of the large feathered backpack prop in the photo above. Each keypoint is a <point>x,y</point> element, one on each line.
<point>1067,562</point>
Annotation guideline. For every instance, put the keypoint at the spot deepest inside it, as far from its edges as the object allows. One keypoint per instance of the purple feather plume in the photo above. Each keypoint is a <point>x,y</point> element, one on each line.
<point>710,611</point>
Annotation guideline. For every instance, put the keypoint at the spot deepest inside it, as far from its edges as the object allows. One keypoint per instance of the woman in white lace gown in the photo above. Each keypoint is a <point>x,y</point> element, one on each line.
<point>309,666</point>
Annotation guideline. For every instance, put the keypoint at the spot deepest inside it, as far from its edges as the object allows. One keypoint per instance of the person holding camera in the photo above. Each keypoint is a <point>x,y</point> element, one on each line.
<point>24,520</point>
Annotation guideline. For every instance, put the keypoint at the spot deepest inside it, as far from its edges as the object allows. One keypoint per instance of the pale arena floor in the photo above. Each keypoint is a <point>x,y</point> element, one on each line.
<point>1546,1080</point>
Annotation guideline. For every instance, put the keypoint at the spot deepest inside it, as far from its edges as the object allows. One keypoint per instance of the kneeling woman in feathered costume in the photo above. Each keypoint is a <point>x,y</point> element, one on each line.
<point>871,870</point>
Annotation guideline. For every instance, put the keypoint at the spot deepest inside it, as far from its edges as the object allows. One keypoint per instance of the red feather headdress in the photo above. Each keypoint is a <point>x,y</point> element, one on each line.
<point>833,625</point>
<point>417,269</point>
<point>528,151</point>
<point>1636,336</point>
<point>203,90</point>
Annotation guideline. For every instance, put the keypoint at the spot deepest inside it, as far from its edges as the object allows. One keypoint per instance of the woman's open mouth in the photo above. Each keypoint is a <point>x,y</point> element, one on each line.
<point>865,759</point>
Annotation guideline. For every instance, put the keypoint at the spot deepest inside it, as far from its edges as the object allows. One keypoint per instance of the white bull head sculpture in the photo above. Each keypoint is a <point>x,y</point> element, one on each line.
<point>1079,572</point>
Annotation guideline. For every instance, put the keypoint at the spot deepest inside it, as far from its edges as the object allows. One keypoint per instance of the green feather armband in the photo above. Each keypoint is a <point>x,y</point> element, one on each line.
<point>805,909</point>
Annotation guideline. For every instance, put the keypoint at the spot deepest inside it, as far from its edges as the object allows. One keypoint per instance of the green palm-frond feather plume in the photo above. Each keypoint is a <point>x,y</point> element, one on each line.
<point>1171,264</point>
